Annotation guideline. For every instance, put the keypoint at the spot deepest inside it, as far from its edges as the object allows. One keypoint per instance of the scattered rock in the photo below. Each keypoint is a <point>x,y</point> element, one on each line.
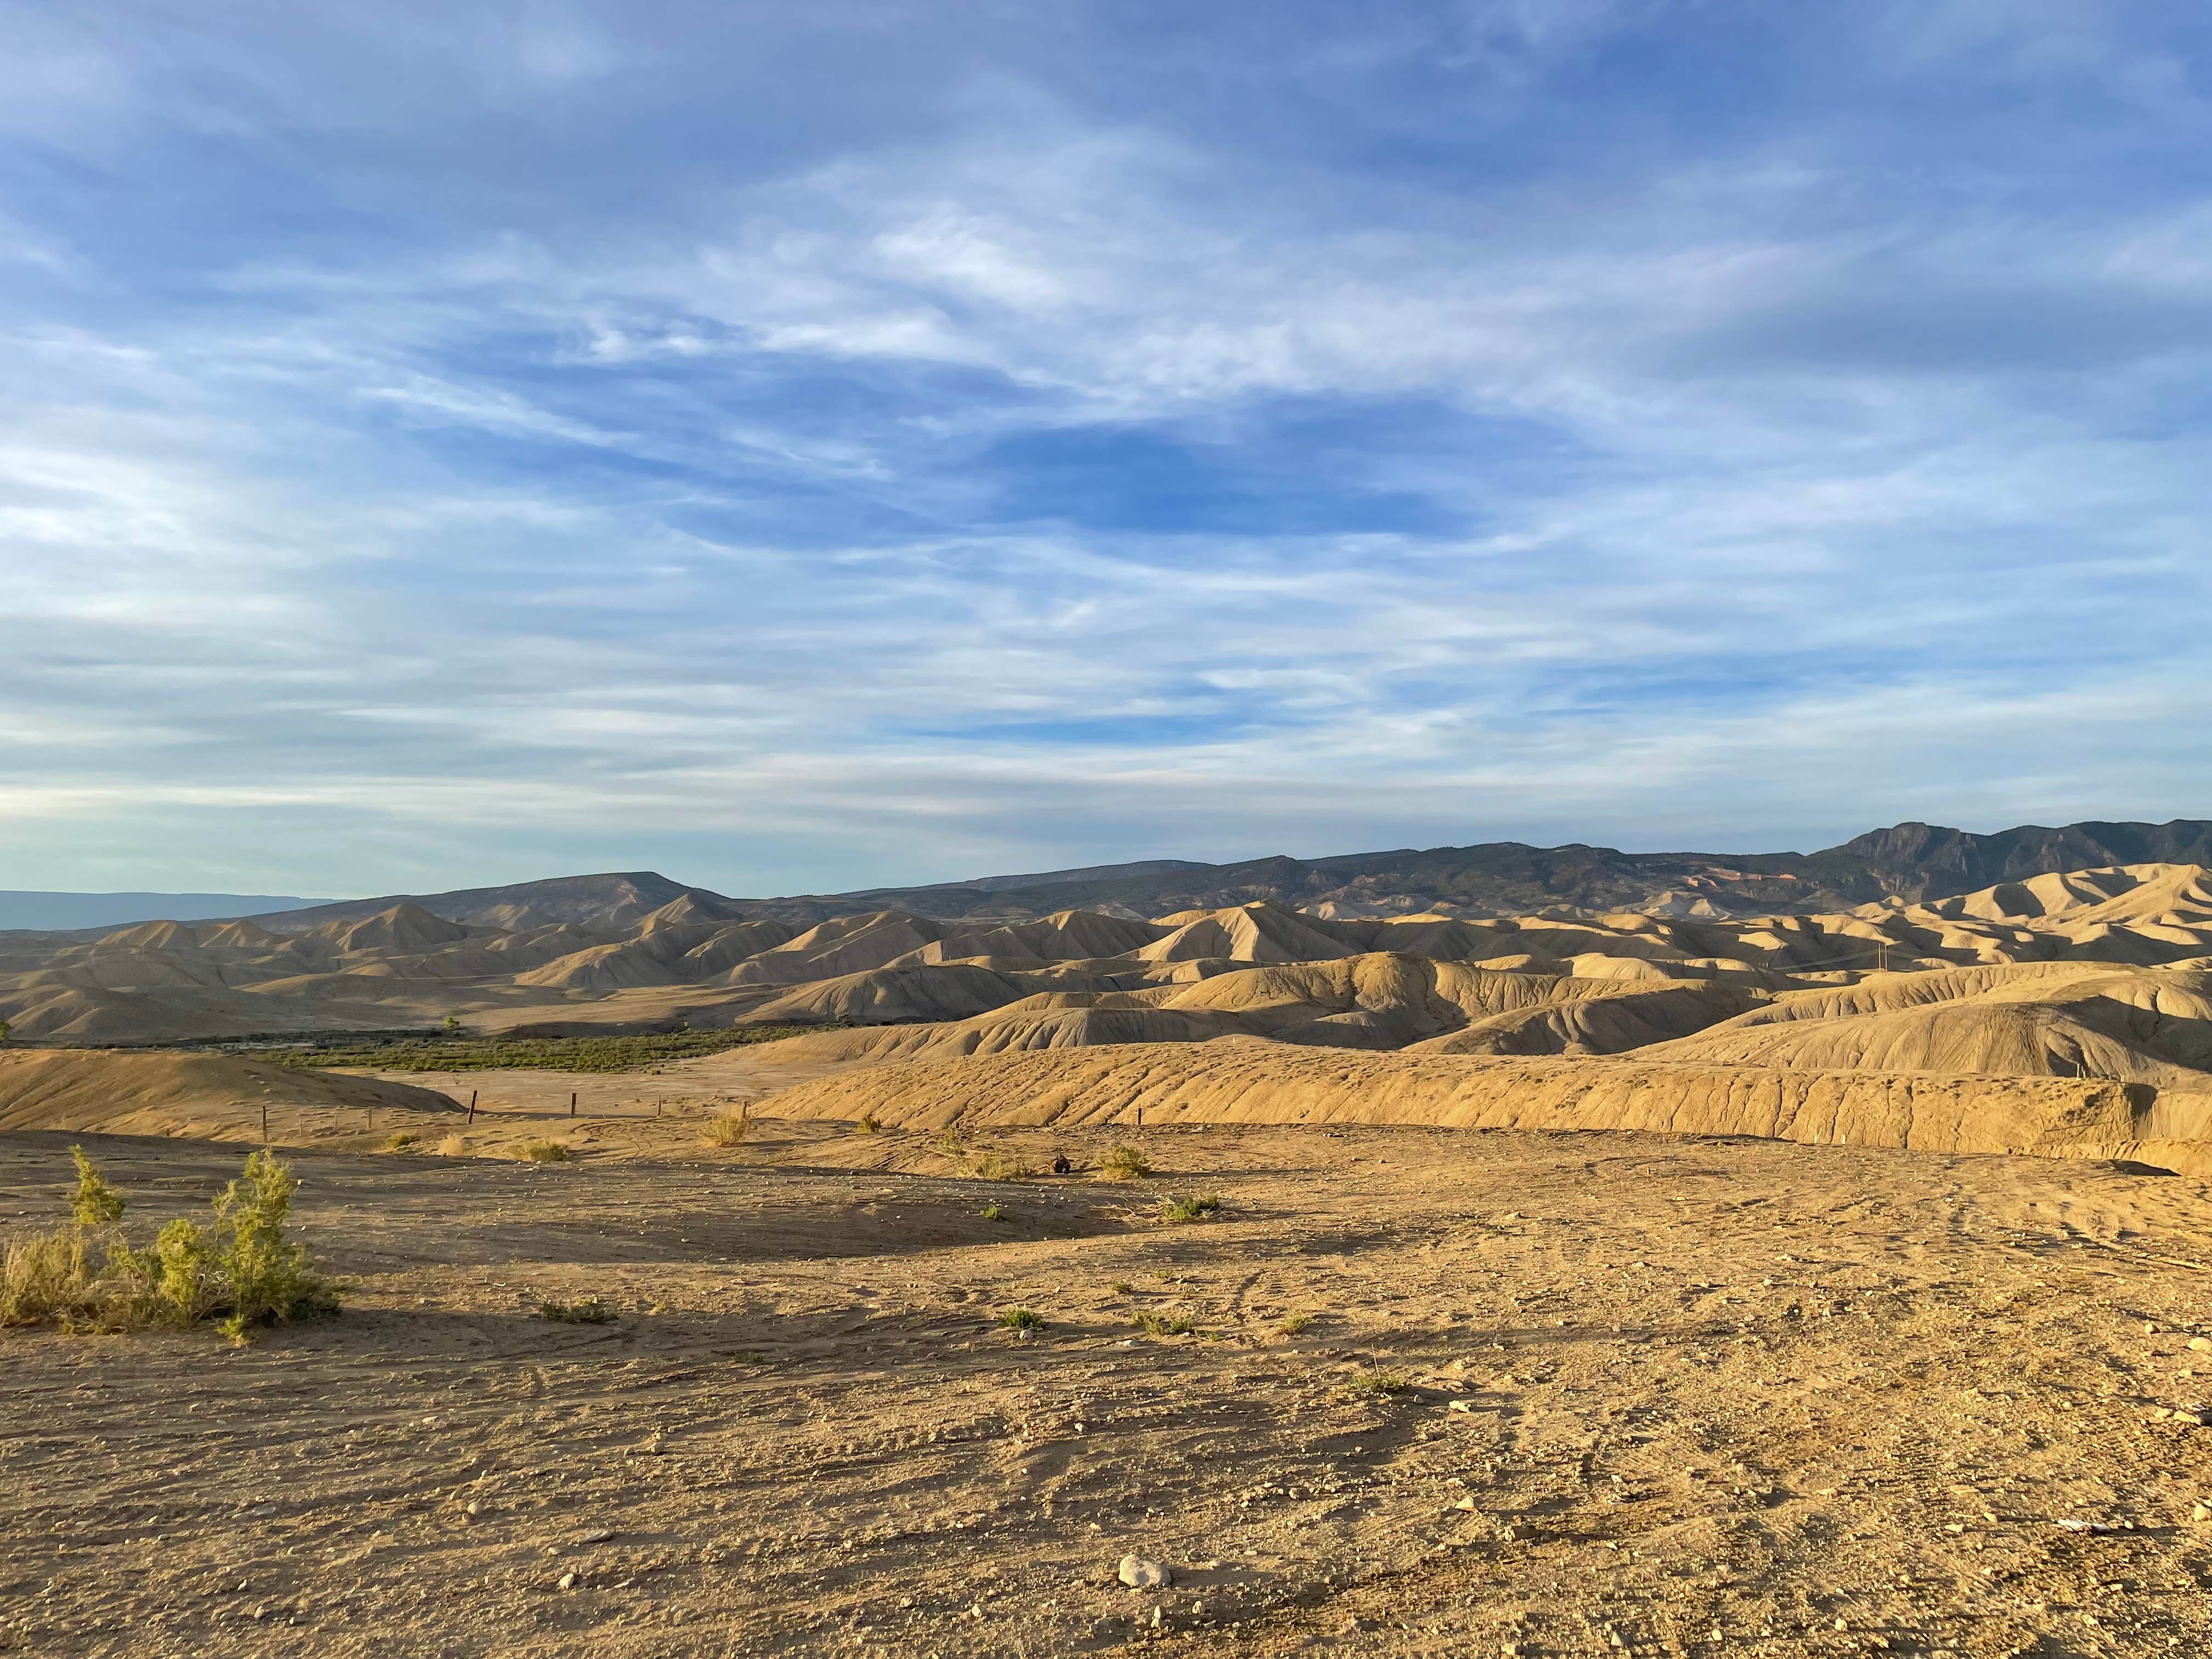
<point>2200,1345</point>
<point>568,1581</point>
<point>2200,1514</point>
<point>1463,1405</point>
<point>1140,1574</point>
<point>596,1536</point>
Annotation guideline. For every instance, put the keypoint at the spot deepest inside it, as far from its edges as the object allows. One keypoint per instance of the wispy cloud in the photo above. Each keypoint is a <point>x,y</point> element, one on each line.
<point>808,452</point>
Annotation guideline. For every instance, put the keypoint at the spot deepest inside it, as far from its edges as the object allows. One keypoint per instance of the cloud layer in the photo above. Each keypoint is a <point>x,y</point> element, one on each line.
<point>887,443</point>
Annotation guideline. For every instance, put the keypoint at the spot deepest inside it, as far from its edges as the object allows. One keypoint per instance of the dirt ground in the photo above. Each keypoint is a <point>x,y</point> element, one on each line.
<point>1441,1393</point>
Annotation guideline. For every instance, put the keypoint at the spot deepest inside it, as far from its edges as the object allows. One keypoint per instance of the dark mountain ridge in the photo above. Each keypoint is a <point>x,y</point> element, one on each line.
<point>1910,861</point>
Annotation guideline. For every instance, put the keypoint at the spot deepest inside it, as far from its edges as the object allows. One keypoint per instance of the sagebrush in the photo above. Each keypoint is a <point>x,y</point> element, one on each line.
<point>239,1270</point>
<point>1125,1164</point>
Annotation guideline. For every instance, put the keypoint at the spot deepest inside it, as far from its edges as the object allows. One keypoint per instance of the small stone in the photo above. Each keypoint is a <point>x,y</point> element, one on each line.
<point>2200,1345</point>
<point>1463,1405</point>
<point>1464,1503</point>
<point>568,1581</point>
<point>2200,1513</point>
<point>473,1511</point>
<point>1140,1574</point>
<point>596,1536</point>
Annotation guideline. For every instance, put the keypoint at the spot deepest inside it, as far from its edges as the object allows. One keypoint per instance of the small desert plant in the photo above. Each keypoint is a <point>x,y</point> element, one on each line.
<point>1122,1287</point>
<point>1160,1324</point>
<point>993,1211</point>
<point>1021,1319</point>
<point>94,1203</point>
<point>1124,1163</point>
<point>1188,1207</point>
<point>454,1146</point>
<point>868,1125</point>
<point>1293,1323</point>
<point>948,1142</point>
<point>402,1141</point>
<point>548,1152</point>
<point>591,1310</point>
<point>727,1128</point>
<point>997,1166</point>
<point>1377,1383</point>
<point>240,1266</point>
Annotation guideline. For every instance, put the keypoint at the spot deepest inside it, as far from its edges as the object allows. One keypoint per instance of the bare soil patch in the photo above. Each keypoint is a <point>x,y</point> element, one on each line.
<point>1439,1392</point>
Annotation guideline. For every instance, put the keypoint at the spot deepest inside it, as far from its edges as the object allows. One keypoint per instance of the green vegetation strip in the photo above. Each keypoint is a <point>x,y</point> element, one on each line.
<point>592,1053</point>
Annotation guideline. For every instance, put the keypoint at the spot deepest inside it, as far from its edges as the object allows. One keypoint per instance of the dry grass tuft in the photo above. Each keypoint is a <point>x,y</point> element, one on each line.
<point>726,1129</point>
<point>548,1151</point>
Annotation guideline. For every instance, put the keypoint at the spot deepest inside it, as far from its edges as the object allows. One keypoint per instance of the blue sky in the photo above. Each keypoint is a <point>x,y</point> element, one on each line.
<point>804,447</point>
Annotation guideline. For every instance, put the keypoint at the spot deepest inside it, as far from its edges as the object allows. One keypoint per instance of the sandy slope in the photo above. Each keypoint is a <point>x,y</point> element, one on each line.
<point>169,1093</point>
<point>1251,1082</point>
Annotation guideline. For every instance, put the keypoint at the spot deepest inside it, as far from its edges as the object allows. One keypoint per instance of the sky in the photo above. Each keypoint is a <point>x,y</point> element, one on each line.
<point>802,447</point>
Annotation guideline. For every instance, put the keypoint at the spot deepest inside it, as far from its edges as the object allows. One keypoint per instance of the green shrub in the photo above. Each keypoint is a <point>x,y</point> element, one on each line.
<point>591,1310</point>
<point>868,1125</point>
<point>453,1050</point>
<point>1190,1207</point>
<point>1293,1323</point>
<point>997,1166</point>
<point>993,1211</point>
<point>548,1152</point>
<point>1021,1319</point>
<point>1122,1287</point>
<point>1124,1163</point>
<point>1377,1383</point>
<point>240,1268</point>
<point>402,1141</point>
<point>94,1203</point>
<point>1159,1324</point>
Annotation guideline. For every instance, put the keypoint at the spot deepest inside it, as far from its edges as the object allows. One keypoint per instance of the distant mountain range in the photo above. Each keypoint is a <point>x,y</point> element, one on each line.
<point>1908,861</point>
<point>63,912</point>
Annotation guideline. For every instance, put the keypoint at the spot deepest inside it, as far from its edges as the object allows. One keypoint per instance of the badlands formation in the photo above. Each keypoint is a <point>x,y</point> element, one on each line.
<point>2069,1013</point>
<point>1663,1280</point>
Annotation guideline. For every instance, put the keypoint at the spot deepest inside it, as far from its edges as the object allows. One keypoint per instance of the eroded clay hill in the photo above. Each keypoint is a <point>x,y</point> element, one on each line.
<point>2094,978</point>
